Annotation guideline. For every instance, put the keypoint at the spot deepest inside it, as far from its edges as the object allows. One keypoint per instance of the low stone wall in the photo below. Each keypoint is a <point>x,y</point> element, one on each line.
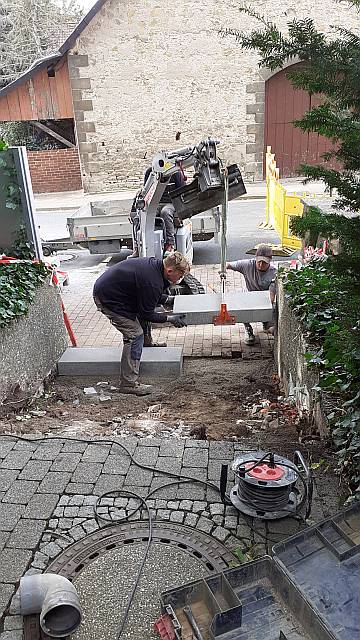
<point>30,346</point>
<point>296,377</point>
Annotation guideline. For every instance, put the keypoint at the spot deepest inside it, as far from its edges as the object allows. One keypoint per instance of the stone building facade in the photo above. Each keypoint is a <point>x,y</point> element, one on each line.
<point>143,70</point>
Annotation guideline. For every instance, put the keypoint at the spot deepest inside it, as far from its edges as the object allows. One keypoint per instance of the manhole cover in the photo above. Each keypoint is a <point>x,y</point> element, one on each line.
<point>215,556</point>
<point>103,567</point>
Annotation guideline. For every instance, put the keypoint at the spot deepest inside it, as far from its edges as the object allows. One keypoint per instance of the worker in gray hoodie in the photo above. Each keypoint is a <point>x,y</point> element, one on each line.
<point>259,275</point>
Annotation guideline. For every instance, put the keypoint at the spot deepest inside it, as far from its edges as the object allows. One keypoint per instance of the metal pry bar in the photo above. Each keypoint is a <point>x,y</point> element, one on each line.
<point>192,622</point>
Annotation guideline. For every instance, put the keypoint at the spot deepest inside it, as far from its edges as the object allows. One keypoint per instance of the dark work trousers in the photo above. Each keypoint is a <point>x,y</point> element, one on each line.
<point>167,214</point>
<point>133,342</point>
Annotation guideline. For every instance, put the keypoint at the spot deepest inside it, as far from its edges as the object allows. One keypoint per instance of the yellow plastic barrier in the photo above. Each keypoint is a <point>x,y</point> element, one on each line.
<point>280,207</point>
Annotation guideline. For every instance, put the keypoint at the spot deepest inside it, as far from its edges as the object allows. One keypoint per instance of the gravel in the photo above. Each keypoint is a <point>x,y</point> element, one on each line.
<point>104,586</point>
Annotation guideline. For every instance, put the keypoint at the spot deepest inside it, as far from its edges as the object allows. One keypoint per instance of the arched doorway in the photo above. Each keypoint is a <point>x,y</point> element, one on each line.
<point>283,105</point>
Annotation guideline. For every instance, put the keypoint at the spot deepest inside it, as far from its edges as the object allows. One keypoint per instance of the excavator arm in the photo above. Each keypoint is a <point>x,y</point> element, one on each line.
<point>204,192</point>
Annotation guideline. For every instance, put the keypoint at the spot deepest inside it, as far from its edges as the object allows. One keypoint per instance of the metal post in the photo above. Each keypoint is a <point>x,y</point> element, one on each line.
<point>224,317</point>
<point>27,198</point>
<point>224,212</point>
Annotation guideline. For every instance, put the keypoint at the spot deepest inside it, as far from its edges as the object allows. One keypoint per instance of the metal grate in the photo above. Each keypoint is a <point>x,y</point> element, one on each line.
<point>213,554</point>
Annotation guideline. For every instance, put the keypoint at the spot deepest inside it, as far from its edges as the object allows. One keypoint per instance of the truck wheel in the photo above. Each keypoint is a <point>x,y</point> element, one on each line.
<point>188,286</point>
<point>46,250</point>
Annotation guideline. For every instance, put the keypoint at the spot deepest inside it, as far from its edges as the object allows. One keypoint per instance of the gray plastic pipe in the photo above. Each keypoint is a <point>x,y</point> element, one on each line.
<point>55,598</point>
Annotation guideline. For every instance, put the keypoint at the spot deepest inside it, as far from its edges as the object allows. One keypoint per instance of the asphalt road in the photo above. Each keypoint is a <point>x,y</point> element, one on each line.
<point>243,233</point>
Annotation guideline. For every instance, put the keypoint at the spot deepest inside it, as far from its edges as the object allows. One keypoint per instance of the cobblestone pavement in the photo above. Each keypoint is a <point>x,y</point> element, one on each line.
<point>48,490</point>
<point>92,329</point>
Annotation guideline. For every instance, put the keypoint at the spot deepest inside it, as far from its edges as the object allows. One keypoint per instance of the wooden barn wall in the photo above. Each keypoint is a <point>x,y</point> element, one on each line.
<point>39,97</point>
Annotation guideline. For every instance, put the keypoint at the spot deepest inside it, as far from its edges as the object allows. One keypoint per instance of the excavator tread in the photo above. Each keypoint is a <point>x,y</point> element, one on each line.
<point>193,284</point>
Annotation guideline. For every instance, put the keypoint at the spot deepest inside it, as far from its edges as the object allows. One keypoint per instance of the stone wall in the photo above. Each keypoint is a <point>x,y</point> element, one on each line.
<point>31,346</point>
<point>296,377</point>
<point>143,70</point>
<point>55,170</point>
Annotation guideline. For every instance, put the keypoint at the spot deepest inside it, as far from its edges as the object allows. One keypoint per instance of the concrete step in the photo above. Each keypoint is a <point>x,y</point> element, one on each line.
<point>246,306</point>
<point>105,361</point>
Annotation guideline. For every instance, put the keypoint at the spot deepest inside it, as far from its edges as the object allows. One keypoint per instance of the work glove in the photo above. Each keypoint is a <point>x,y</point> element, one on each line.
<point>177,320</point>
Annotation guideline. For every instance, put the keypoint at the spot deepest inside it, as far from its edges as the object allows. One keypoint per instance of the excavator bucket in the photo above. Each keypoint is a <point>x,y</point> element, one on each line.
<point>192,199</point>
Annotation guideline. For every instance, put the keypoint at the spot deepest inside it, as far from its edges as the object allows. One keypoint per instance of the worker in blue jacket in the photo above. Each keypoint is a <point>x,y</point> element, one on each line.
<point>128,294</point>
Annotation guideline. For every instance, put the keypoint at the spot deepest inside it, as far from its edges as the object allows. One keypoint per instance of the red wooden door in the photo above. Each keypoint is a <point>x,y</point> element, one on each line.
<point>283,105</point>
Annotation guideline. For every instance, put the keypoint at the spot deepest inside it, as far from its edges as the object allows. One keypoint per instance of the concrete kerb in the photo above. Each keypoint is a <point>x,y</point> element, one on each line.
<point>245,306</point>
<point>155,361</point>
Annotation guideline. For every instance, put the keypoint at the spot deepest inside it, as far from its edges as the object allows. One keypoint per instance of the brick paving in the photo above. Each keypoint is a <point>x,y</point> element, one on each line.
<point>48,489</point>
<point>43,514</point>
<point>92,329</point>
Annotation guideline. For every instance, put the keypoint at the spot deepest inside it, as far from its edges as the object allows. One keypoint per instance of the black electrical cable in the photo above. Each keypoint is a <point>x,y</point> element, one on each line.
<point>122,624</point>
<point>269,499</point>
<point>131,513</point>
<point>146,467</point>
<point>186,156</point>
<point>292,514</point>
<point>143,501</point>
<point>283,464</point>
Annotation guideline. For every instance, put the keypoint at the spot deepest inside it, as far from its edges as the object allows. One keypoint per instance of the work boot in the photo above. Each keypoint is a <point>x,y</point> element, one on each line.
<point>137,389</point>
<point>268,328</point>
<point>148,342</point>
<point>249,336</point>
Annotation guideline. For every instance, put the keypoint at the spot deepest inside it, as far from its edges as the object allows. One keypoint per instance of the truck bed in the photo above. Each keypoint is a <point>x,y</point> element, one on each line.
<point>110,220</point>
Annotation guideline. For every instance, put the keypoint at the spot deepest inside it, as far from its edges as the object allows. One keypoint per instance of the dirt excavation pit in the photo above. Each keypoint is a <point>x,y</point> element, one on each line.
<point>214,399</point>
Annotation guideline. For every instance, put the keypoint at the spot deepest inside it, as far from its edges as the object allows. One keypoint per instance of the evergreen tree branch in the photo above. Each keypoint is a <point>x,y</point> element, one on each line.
<point>330,73</point>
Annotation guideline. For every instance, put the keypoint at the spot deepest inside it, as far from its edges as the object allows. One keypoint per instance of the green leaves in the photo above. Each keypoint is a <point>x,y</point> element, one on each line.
<point>11,187</point>
<point>240,555</point>
<point>18,285</point>
<point>331,69</point>
<point>21,247</point>
<point>327,302</point>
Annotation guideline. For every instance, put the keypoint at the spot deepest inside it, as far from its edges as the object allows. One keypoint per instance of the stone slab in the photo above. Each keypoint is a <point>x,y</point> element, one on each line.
<point>246,306</point>
<point>105,361</point>
<point>4,535</point>
<point>41,506</point>
<point>10,514</point>
<point>7,477</point>
<point>13,563</point>
<point>6,591</point>
<point>27,534</point>
<point>21,491</point>
<point>54,482</point>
